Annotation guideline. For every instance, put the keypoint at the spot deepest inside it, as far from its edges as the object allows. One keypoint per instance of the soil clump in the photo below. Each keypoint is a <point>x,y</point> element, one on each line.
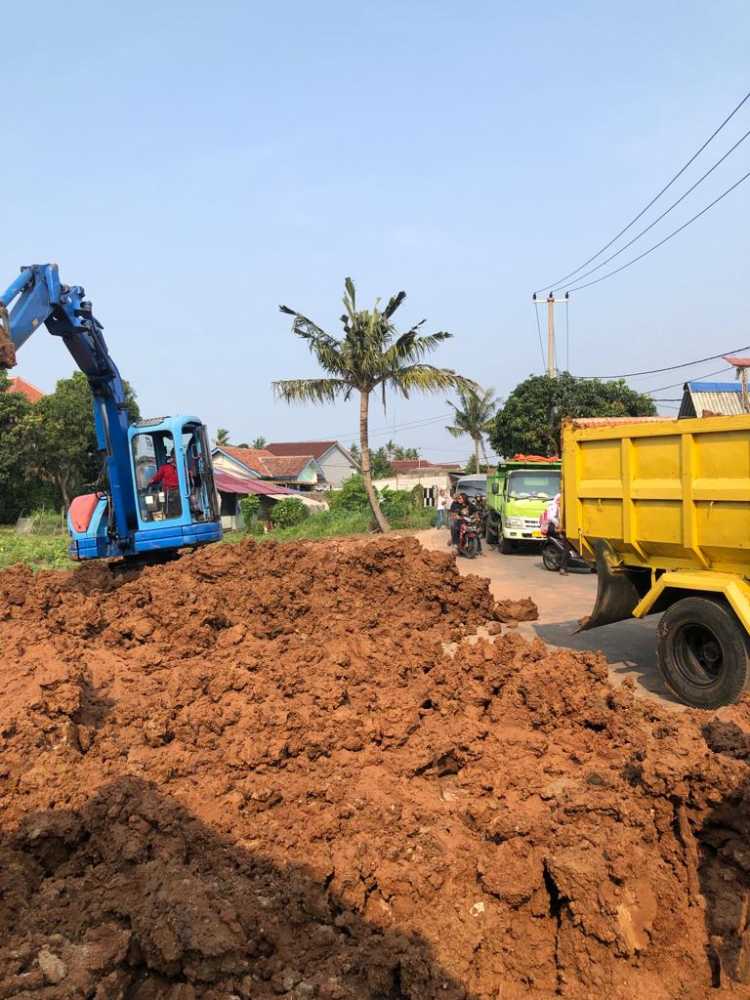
<point>281,771</point>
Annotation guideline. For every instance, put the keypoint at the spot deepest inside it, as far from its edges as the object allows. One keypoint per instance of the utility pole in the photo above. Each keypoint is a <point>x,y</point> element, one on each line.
<point>551,303</point>
<point>551,368</point>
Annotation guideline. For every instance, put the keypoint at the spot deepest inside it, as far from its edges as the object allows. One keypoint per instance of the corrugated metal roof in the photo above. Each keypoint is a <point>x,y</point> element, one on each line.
<point>722,398</point>
<point>244,485</point>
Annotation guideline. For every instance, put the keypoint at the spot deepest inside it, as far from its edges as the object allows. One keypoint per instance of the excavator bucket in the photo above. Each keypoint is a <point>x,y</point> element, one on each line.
<point>7,349</point>
<point>616,594</point>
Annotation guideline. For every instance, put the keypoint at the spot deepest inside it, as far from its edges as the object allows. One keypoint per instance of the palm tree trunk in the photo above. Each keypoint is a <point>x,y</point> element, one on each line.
<point>484,452</point>
<point>476,455</point>
<point>377,513</point>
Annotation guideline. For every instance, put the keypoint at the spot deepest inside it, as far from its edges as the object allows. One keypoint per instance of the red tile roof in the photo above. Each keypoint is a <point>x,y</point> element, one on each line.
<point>315,448</point>
<point>268,465</point>
<point>25,388</point>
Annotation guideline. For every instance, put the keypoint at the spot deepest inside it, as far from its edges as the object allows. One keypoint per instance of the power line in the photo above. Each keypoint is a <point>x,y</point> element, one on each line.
<point>656,246</point>
<point>669,368</point>
<point>665,212</point>
<point>656,197</point>
<point>674,385</point>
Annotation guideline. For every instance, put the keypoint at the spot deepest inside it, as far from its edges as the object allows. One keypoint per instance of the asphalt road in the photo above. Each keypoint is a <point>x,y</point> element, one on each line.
<point>630,647</point>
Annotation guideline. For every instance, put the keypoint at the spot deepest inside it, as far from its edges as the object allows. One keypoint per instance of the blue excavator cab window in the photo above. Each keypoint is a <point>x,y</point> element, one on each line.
<point>199,473</point>
<point>156,474</point>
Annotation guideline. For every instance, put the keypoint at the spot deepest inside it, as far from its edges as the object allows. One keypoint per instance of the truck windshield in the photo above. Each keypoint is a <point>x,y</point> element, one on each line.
<point>534,484</point>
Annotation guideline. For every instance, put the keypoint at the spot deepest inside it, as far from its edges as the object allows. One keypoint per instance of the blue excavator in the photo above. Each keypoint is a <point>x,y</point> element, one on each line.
<point>160,494</point>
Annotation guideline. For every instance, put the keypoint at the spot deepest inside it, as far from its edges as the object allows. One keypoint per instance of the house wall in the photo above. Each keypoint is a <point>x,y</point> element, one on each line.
<point>430,483</point>
<point>308,476</point>
<point>336,467</point>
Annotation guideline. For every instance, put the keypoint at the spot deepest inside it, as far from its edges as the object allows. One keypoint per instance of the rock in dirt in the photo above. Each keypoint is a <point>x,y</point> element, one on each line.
<point>280,770</point>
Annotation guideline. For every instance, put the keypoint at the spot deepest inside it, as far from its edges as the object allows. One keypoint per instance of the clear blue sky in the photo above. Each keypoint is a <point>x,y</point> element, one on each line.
<point>195,165</point>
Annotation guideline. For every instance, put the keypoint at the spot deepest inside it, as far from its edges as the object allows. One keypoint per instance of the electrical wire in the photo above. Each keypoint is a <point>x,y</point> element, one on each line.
<point>666,212</point>
<point>674,385</point>
<point>656,197</point>
<point>669,368</point>
<point>668,237</point>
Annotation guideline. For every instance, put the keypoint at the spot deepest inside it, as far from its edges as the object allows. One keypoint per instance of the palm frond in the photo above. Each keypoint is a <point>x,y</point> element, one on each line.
<point>393,303</point>
<point>310,390</point>
<point>426,378</point>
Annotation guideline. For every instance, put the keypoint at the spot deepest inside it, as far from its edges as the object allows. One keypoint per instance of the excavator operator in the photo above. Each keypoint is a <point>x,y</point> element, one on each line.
<point>166,474</point>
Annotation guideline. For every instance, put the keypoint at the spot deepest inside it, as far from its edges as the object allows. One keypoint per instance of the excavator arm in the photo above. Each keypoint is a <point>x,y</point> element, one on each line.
<point>37,298</point>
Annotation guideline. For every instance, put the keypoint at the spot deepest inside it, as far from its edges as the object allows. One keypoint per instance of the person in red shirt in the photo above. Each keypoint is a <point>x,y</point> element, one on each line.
<point>167,475</point>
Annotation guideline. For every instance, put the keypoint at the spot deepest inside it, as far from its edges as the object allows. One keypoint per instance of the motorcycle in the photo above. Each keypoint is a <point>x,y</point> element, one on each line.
<point>469,544</point>
<point>552,551</point>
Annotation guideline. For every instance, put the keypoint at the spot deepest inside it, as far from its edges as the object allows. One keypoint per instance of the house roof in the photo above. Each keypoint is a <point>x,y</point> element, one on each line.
<point>722,398</point>
<point>315,448</point>
<point>25,388</point>
<point>415,464</point>
<point>244,485</point>
<point>268,465</point>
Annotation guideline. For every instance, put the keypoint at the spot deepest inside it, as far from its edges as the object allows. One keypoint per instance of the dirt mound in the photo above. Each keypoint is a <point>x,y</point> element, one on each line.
<point>274,770</point>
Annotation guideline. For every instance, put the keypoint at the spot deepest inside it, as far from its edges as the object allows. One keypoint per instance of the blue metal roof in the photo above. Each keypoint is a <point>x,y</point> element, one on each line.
<point>713,386</point>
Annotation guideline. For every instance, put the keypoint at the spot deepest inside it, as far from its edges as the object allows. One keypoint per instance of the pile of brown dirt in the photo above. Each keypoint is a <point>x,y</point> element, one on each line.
<point>280,771</point>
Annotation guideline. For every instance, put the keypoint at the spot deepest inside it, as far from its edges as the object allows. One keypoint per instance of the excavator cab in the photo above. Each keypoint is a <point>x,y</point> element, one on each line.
<point>173,485</point>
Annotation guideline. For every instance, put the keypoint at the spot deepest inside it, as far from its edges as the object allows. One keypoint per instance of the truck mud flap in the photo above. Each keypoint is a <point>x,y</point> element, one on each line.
<point>616,595</point>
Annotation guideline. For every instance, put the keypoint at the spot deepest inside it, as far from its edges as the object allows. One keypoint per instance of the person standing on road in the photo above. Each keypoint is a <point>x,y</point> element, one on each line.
<point>554,521</point>
<point>441,506</point>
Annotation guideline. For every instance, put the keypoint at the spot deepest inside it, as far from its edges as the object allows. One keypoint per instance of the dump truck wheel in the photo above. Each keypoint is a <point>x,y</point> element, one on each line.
<point>490,531</point>
<point>551,557</point>
<point>703,652</point>
<point>504,544</point>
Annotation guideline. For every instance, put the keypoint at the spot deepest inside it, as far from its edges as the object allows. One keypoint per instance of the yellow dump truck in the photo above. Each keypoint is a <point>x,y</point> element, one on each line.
<point>664,508</point>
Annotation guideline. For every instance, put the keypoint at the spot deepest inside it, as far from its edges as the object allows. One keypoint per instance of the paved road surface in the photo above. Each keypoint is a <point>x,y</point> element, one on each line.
<point>629,646</point>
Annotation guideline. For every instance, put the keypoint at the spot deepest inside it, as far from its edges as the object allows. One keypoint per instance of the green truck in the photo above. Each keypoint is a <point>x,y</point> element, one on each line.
<point>517,495</point>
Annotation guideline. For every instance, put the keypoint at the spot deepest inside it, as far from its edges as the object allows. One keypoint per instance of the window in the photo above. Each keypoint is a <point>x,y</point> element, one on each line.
<point>156,476</point>
<point>543,485</point>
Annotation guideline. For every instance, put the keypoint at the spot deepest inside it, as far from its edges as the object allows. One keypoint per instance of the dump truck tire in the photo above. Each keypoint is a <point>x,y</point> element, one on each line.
<point>551,558</point>
<point>490,530</point>
<point>703,652</point>
<point>504,545</point>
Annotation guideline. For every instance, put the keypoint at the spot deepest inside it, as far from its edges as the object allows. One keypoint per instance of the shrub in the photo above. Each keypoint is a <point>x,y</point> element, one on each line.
<point>351,497</point>
<point>250,511</point>
<point>397,504</point>
<point>286,513</point>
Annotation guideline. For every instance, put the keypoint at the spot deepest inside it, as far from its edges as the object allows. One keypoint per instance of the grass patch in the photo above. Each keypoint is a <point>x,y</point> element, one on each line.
<point>335,524</point>
<point>47,551</point>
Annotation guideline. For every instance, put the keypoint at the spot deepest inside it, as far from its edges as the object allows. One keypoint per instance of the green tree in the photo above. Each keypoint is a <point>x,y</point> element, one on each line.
<point>370,358</point>
<point>380,464</point>
<point>531,419</point>
<point>222,437</point>
<point>474,417</point>
<point>14,411</point>
<point>62,439</point>
<point>259,442</point>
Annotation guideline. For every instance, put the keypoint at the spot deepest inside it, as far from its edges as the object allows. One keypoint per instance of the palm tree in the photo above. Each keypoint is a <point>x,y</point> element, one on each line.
<point>474,417</point>
<point>222,437</point>
<point>370,357</point>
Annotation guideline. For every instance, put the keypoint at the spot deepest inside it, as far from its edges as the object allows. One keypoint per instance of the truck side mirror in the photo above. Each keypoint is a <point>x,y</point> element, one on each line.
<point>496,487</point>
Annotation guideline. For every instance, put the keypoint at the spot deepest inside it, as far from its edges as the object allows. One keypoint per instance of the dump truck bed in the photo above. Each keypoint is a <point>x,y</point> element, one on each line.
<point>664,494</point>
